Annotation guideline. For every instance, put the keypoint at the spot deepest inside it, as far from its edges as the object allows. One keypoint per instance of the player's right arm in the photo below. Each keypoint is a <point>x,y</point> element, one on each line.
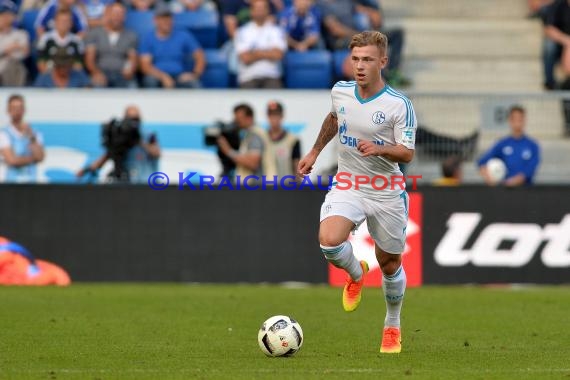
<point>328,130</point>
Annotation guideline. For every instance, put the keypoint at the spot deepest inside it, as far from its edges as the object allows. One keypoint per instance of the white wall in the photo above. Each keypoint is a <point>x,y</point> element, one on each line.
<point>176,106</point>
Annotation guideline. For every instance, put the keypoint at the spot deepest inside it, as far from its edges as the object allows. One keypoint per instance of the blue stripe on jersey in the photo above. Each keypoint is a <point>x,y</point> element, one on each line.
<point>413,112</point>
<point>405,103</point>
<point>409,108</point>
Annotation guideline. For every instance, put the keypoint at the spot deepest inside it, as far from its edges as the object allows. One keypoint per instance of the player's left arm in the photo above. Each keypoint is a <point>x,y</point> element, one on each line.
<point>396,153</point>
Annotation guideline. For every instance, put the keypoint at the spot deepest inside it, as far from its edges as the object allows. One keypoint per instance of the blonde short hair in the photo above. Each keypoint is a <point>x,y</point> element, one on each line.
<point>368,38</point>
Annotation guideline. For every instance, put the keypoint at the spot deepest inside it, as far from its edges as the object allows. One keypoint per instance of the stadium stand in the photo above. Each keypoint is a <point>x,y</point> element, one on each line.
<point>140,22</point>
<point>466,57</point>
<point>27,23</point>
<point>462,58</point>
<point>338,58</point>
<point>216,74</point>
<point>311,69</point>
<point>204,25</point>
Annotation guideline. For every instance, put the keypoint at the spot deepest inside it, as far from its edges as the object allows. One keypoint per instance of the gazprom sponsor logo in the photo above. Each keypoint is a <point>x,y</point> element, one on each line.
<point>351,141</point>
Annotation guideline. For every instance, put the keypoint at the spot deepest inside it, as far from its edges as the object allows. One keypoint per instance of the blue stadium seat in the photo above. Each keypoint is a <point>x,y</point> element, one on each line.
<point>338,59</point>
<point>140,22</point>
<point>202,23</point>
<point>310,69</point>
<point>217,74</point>
<point>28,21</point>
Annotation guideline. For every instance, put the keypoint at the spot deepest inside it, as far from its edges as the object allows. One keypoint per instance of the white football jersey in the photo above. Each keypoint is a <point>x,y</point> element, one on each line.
<point>387,118</point>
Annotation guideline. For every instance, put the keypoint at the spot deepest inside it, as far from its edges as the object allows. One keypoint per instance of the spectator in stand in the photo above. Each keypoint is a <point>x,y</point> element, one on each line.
<point>302,23</point>
<point>45,20</point>
<point>140,5</point>
<point>20,146</point>
<point>236,13</point>
<point>452,172</point>
<point>260,45</point>
<point>538,8</point>
<point>557,42</point>
<point>111,52</point>
<point>59,38</point>
<point>62,75</point>
<point>339,22</point>
<point>344,18</point>
<point>520,153</point>
<point>164,54</point>
<point>286,145</point>
<point>14,48</point>
<point>94,11</point>
<point>192,5</point>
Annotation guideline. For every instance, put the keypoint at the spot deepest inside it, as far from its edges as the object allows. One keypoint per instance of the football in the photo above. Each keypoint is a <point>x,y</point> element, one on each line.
<point>280,335</point>
<point>496,169</point>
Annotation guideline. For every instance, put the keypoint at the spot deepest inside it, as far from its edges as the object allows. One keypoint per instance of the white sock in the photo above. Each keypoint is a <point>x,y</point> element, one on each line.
<point>342,257</point>
<point>394,288</point>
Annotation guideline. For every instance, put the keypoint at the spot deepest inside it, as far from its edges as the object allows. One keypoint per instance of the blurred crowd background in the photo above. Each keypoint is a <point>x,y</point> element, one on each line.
<point>488,80</point>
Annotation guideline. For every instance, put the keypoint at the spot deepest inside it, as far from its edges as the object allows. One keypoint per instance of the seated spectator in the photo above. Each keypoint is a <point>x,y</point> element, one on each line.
<point>20,146</point>
<point>344,18</point>
<point>178,6</point>
<point>14,48</point>
<point>191,5</point>
<point>557,42</point>
<point>59,38</point>
<point>260,46</point>
<point>94,10</point>
<point>520,153</point>
<point>111,51</point>
<point>141,5</point>
<point>45,20</point>
<point>339,22</point>
<point>452,172</point>
<point>537,8</point>
<point>236,13</point>
<point>302,23</point>
<point>63,75</point>
<point>164,54</point>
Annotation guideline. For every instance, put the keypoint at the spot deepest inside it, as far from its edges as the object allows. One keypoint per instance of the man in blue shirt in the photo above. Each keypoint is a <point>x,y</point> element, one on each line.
<point>165,53</point>
<point>520,153</point>
<point>302,23</point>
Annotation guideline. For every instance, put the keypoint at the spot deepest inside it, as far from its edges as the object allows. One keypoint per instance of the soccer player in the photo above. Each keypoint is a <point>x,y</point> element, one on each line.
<point>375,127</point>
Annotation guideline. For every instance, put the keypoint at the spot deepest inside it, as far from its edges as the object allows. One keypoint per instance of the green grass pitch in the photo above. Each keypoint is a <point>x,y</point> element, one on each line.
<point>165,331</point>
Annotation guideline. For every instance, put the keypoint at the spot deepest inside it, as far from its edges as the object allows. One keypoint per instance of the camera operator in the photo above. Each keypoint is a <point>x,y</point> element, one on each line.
<point>255,154</point>
<point>231,133</point>
<point>134,155</point>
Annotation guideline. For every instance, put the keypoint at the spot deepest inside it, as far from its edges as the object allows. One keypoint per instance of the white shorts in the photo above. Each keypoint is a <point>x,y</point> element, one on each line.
<point>386,218</point>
